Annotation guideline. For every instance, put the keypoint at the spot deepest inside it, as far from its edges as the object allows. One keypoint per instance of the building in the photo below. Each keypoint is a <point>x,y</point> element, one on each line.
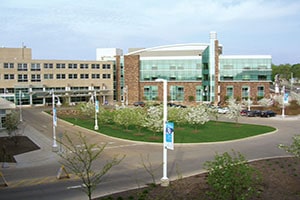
<point>27,81</point>
<point>197,72</point>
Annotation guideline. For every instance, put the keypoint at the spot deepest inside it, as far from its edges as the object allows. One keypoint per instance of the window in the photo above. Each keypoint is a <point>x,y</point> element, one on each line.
<point>84,76</point>
<point>72,66</point>
<point>8,65</point>
<point>95,76</point>
<point>60,66</point>
<point>106,66</point>
<point>72,76</point>
<point>262,77</point>
<point>199,93</point>
<point>35,67</point>
<point>106,76</point>
<point>48,76</point>
<point>95,66</point>
<point>35,78</point>
<point>229,91</point>
<point>22,78</point>
<point>84,66</point>
<point>150,92</point>
<point>177,93</point>
<point>48,66</point>
<point>60,76</point>
<point>22,66</point>
<point>9,76</point>
<point>260,91</point>
<point>245,92</point>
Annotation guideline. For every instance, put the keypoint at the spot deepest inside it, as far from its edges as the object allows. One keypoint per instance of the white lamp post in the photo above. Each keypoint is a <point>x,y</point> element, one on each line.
<point>20,104</point>
<point>54,146</point>
<point>283,92</point>
<point>249,99</point>
<point>164,179</point>
<point>96,127</point>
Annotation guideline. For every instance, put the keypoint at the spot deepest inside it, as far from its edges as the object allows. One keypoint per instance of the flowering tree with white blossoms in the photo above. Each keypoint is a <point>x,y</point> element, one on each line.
<point>234,109</point>
<point>197,115</point>
<point>154,119</point>
<point>177,115</point>
<point>265,102</point>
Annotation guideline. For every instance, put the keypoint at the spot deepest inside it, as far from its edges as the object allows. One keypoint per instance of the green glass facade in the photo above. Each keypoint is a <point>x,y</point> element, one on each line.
<point>245,69</point>
<point>171,70</point>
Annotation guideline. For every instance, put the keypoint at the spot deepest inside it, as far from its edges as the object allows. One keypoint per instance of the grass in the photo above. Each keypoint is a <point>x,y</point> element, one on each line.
<point>209,132</point>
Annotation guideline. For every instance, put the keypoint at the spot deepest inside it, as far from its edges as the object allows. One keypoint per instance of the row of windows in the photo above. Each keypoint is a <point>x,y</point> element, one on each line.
<point>37,77</point>
<point>245,91</point>
<point>37,66</point>
<point>177,92</point>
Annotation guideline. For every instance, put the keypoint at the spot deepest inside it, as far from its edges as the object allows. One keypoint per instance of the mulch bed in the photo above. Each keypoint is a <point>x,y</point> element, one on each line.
<point>11,146</point>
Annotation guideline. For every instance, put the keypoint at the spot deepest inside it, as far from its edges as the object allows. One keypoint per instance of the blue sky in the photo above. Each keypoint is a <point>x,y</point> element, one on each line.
<point>69,29</point>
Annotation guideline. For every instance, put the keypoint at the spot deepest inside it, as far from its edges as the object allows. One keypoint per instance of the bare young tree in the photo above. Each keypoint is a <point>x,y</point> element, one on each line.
<point>79,159</point>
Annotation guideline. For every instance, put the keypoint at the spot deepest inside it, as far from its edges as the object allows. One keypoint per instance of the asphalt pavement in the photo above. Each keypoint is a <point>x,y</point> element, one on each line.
<point>28,162</point>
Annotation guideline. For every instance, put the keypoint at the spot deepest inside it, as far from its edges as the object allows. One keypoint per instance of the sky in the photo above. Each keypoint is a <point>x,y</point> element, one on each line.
<point>73,29</point>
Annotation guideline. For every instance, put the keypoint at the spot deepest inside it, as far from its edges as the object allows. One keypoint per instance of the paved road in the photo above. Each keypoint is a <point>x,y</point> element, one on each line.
<point>185,160</point>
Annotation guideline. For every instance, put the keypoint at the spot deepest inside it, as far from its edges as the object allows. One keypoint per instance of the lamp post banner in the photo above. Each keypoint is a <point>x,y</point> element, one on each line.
<point>286,98</point>
<point>97,106</point>
<point>169,135</point>
<point>54,117</point>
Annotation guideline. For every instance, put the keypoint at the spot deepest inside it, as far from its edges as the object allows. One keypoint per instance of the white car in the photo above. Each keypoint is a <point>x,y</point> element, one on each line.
<point>223,110</point>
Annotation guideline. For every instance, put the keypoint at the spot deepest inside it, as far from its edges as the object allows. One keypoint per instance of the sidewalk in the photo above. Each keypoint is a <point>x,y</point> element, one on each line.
<point>39,157</point>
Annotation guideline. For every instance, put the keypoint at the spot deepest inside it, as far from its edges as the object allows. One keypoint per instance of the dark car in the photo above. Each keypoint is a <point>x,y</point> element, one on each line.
<point>139,103</point>
<point>254,113</point>
<point>268,113</point>
<point>244,112</point>
<point>176,105</point>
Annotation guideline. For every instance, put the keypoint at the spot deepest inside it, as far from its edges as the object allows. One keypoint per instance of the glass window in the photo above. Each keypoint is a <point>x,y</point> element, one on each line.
<point>48,66</point>
<point>95,66</point>
<point>229,91</point>
<point>84,66</point>
<point>95,76</point>
<point>9,76</point>
<point>35,78</point>
<point>35,67</point>
<point>150,92</point>
<point>245,92</point>
<point>106,66</point>
<point>260,91</point>
<point>48,76</point>
<point>199,93</point>
<point>72,66</point>
<point>177,93</point>
<point>22,78</point>
<point>106,76</point>
<point>72,76</point>
<point>60,76</point>
<point>60,66</point>
<point>84,76</point>
<point>22,66</point>
<point>8,65</point>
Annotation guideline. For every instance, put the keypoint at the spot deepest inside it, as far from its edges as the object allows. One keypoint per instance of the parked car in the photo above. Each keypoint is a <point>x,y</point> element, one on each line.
<point>244,112</point>
<point>268,113</point>
<point>223,110</point>
<point>254,113</point>
<point>176,105</point>
<point>139,103</point>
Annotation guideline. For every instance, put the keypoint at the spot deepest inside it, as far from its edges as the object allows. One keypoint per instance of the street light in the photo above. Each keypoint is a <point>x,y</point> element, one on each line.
<point>20,104</point>
<point>54,146</point>
<point>96,111</point>
<point>164,179</point>
<point>283,92</point>
<point>249,96</point>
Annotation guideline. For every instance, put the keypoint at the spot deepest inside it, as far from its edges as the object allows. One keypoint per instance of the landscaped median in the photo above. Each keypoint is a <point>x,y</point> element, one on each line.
<point>212,131</point>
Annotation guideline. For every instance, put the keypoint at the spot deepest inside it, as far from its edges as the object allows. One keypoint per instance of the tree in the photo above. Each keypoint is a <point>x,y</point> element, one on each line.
<point>79,159</point>
<point>154,119</point>
<point>265,102</point>
<point>230,177</point>
<point>124,117</point>
<point>234,110</point>
<point>294,148</point>
<point>11,124</point>
<point>196,115</point>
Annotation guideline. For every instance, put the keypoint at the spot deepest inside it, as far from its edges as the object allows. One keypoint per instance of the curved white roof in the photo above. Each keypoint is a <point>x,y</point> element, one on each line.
<point>172,48</point>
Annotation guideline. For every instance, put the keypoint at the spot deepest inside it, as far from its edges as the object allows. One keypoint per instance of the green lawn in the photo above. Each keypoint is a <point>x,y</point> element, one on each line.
<point>210,132</point>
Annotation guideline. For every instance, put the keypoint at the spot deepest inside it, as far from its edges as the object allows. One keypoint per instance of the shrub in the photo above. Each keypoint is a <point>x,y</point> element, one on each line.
<point>231,177</point>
